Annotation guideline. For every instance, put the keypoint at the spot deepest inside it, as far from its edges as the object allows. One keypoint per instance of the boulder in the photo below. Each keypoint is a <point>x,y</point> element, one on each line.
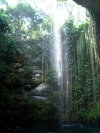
<point>41,90</point>
<point>27,87</point>
<point>17,65</point>
<point>37,75</point>
<point>40,97</point>
<point>21,70</point>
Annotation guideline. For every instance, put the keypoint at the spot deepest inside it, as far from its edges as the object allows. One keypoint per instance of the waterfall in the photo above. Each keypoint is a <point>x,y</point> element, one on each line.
<point>60,64</point>
<point>57,52</point>
<point>57,61</point>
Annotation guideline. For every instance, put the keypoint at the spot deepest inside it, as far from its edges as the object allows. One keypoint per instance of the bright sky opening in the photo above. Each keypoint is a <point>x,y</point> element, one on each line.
<point>65,9</point>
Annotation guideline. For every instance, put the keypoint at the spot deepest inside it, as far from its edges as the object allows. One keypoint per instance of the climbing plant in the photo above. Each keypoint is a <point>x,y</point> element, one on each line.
<point>84,65</point>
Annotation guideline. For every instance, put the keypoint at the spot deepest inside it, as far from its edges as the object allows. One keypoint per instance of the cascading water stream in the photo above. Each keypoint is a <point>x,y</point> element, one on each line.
<point>60,64</point>
<point>57,53</point>
<point>57,59</point>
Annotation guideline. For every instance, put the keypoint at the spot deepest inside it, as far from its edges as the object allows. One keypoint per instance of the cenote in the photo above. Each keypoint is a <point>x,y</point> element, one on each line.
<point>49,66</point>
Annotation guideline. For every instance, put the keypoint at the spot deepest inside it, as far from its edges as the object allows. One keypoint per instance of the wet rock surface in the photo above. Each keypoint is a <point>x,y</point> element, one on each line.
<point>40,92</point>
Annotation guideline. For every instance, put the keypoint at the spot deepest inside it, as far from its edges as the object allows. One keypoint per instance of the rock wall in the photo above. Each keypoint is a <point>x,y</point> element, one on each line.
<point>22,76</point>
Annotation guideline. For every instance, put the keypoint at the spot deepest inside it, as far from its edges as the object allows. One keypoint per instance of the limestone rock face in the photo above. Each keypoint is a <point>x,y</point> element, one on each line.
<point>41,90</point>
<point>91,5</point>
<point>17,65</point>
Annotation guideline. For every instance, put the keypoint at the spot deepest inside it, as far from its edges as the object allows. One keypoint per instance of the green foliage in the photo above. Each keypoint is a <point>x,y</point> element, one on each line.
<point>78,45</point>
<point>25,108</point>
<point>27,70</point>
<point>21,31</point>
<point>74,31</point>
<point>25,21</point>
<point>2,68</point>
<point>94,113</point>
<point>7,44</point>
<point>85,77</point>
<point>3,2</point>
<point>10,49</point>
<point>50,76</point>
<point>4,26</point>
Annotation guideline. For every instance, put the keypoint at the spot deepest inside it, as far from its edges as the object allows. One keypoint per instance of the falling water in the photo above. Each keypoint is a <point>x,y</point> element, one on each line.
<point>60,63</point>
<point>57,60</point>
<point>57,54</point>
